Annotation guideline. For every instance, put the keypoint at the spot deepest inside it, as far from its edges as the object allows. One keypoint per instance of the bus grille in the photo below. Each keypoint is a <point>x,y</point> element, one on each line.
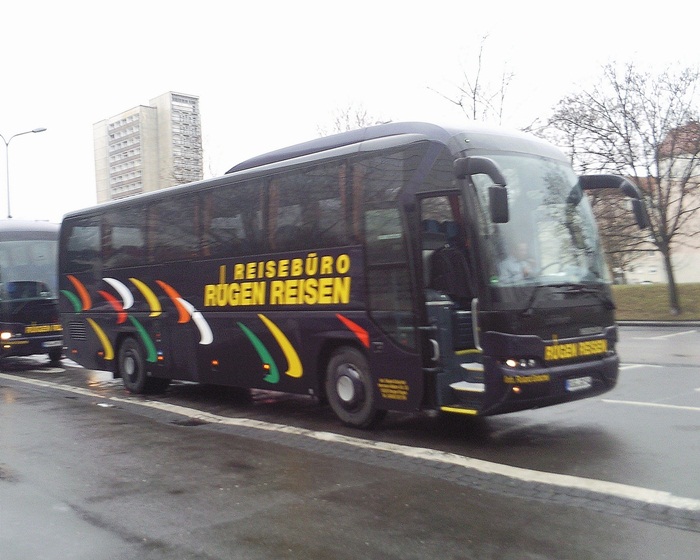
<point>77,330</point>
<point>463,333</point>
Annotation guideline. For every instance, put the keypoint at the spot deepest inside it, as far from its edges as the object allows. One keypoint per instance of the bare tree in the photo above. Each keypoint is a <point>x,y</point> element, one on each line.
<point>350,118</point>
<point>478,98</point>
<point>646,127</point>
<point>620,235</point>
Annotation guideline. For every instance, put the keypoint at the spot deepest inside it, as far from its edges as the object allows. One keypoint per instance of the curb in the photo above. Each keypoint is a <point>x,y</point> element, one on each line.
<point>659,323</point>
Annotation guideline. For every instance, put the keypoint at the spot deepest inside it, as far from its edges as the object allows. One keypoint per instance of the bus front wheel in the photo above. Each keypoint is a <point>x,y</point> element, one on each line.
<point>349,389</point>
<point>132,367</point>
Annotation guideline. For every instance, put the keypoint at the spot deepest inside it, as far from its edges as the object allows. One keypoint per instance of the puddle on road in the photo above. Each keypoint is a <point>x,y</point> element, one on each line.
<point>189,422</point>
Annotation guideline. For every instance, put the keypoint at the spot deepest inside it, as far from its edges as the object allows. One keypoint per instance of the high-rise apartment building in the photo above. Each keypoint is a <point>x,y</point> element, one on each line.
<point>149,147</point>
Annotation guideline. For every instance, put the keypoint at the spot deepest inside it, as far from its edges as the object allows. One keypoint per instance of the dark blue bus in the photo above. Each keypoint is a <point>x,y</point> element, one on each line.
<point>29,317</point>
<point>401,267</point>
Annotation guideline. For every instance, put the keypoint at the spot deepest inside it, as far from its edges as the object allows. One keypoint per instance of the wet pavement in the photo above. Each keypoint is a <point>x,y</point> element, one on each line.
<point>84,480</point>
<point>87,471</point>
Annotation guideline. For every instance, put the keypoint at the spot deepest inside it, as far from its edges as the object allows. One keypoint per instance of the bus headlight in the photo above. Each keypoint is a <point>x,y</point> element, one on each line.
<point>521,363</point>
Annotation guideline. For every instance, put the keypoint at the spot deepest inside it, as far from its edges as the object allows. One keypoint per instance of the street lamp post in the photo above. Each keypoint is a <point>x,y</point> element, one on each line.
<point>7,160</point>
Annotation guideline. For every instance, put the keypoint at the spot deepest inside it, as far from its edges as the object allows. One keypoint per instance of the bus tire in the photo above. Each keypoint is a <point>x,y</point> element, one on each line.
<point>133,371</point>
<point>132,366</point>
<point>349,389</point>
<point>55,355</point>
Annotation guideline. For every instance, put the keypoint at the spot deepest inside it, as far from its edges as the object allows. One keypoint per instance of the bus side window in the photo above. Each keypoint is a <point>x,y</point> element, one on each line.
<point>378,180</point>
<point>307,208</point>
<point>231,220</point>
<point>329,204</point>
<point>123,238</point>
<point>357,197</point>
<point>83,246</point>
<point>284,214</point>
<point>172,231</point>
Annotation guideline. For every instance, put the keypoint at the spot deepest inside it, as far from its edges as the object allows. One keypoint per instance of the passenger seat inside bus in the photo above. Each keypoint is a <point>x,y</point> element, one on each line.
<point>449,273</point>
<point>445,266</point>
<point>433,239</point>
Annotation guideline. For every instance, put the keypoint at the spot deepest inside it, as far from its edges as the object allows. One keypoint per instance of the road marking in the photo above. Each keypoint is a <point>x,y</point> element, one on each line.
<point>663,336</point>
<point>656,405</point>
<point>635,366</point>
<point>625,491</point>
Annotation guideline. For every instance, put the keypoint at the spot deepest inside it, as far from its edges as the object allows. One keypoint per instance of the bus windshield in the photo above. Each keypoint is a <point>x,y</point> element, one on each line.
<point>28,269</point>
<point>551,237</point>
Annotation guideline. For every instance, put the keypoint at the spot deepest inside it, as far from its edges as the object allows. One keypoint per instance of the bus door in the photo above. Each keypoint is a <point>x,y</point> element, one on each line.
<point>449,285</point>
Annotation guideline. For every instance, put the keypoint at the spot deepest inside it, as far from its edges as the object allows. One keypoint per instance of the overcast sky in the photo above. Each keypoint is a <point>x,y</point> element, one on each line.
<point>269,74</point>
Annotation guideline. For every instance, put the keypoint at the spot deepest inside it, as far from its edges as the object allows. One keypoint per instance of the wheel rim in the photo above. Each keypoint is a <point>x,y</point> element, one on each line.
<point>129,366</point>
<point>349,387</point>
<point>345,388</point>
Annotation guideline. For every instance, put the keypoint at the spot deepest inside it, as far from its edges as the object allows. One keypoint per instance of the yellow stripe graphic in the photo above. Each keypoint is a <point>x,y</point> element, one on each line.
<point>293,361</point>
<point>150,297</point>
<point>106,344</point>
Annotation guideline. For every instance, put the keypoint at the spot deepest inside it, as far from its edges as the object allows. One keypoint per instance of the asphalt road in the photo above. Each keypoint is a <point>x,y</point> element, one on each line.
<point>87,471</point>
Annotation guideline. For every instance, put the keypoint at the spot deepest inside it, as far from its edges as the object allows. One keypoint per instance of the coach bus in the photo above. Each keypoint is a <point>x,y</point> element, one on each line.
<point>376,270</point>
<point>29,317</point>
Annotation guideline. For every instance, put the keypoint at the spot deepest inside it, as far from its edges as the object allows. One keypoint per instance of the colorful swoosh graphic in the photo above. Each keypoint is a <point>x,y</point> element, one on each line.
<point>273,376</point>
<point>116,304</point>
<point>75,300</point>
<point>186,312</point>
<point>183,313</point>
<point>122,290</point>
<point>82,292</point>
<point>151,352</point>
<point>149,296</point>
<point>294,368</point>
<point>205,334</point>
<point>359,332</point>
<point>106,344</point>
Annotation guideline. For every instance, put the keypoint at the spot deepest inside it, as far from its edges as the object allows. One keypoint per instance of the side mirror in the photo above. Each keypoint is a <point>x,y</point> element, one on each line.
<point>475,165</point>
<point>629,189</point>
<point>498,204</point>
<point>640,214</point>
<point>498,193</point>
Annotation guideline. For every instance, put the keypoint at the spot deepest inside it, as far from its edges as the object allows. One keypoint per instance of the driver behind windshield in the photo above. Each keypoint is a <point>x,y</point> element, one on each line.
<point>518,265</point>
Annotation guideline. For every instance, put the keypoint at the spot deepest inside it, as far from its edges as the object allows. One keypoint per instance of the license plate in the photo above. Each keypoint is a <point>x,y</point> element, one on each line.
<point>579,383</point>
<point>52,343</point>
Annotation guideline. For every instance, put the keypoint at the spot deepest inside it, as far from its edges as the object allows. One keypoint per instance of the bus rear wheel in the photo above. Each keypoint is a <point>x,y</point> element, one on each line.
<point>132,368</point>
<point>349,389</point>
<point>55,355</point>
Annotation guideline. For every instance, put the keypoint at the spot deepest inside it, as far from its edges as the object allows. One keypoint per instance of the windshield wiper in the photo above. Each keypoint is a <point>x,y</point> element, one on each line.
<point>582,289</point>
<point>536,291</point>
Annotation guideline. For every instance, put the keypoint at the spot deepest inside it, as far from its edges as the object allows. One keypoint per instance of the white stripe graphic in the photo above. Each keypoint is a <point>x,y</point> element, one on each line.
<point>122,290</point>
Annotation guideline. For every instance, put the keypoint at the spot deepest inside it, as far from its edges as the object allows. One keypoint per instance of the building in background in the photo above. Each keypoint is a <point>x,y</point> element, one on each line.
<point>679,165</point>
<point>149,147</point>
